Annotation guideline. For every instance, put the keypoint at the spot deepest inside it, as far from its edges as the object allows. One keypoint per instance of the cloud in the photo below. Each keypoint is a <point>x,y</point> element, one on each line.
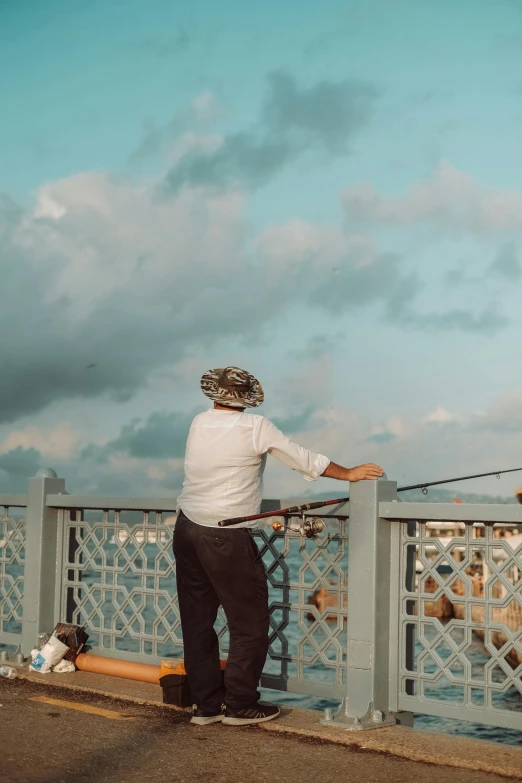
<point>322,345</point>
<point>395,427</point>
<point>382,437</point>
<point>400,310</point>
<point>296,422</point>
<point>242,159</point>
<point>504,415</point>
<point>507,264</point>
<point>309,389</point>
<point>411,449</point>
<point>505,268</point>
<point>451,199</point>
<point>59,442</point>
<point>94,472</point>
<point>488,322</point>
<point>440,416</point>
<point>102,285</point>
<point>294,119</point>
<point>347,270</point>
<point>100,274</point>
<point>327,113</point>
<point>121,474</point>
<point>187,133</point>
<point>146,458</point>
<point>16,466</point>
<point>360,282</point>
<point>163,435</point>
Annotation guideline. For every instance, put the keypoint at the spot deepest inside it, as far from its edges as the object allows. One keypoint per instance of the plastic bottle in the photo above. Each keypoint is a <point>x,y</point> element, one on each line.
<point>9,672</point>
<point>43,638</point>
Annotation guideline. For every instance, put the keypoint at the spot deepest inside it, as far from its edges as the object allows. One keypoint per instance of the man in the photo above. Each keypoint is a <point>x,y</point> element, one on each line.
<point>224,463</point>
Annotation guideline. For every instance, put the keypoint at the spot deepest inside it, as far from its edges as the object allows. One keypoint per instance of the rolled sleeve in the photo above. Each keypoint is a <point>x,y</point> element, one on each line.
<point>320,464</point>
<point>272,441</point>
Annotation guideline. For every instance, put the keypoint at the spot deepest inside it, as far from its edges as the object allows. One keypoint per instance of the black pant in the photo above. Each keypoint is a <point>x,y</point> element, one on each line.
<point>218,566</point>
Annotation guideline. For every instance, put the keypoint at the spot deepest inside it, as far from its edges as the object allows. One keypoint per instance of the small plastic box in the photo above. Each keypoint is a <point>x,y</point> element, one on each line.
<point>174,682</point>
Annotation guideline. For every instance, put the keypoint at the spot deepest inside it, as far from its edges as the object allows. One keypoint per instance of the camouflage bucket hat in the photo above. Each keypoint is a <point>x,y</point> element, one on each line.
<point>232,386</point>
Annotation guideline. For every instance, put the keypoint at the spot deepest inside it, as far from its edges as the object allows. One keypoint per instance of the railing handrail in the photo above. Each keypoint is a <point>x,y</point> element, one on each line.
<point>111,503</point>
<point>469,513</point>
<point>104,503</point>
<point>13,501</point>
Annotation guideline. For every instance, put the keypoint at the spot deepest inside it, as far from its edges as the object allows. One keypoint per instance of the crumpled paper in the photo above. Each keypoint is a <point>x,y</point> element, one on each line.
<point>64,666</point>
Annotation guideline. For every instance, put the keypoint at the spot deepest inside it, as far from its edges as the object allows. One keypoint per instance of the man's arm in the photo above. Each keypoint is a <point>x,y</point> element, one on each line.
<point>270,439</point>
<point>361,472</point>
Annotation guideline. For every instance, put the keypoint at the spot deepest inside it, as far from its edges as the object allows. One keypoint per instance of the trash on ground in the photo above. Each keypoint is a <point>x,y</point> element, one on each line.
<point>73,636</point>
<point>51,654</point>
<point>15,659</point>
<point>9,672</point>
<point>18,658</point>
<point>59,651</point>
<point>43,638</point>
<point>64,666</point>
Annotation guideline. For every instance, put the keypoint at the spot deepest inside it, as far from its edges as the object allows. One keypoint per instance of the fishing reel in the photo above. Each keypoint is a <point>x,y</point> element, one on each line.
<point>310,527</point>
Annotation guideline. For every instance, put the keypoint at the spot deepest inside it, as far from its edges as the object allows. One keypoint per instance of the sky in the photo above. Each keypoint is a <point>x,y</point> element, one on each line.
<point>326,194</point>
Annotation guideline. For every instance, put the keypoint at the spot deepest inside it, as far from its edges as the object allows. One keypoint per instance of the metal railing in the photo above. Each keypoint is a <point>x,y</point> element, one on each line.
<point>380,611</point>
<point>460,611</point>
<point>12,567</point>
<point>118,579</point>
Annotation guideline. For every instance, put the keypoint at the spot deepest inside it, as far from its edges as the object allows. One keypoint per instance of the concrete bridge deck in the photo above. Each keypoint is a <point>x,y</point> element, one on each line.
<point>87,728</point>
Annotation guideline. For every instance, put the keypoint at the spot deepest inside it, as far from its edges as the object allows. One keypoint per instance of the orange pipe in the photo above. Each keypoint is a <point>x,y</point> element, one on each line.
<point>144,672</point>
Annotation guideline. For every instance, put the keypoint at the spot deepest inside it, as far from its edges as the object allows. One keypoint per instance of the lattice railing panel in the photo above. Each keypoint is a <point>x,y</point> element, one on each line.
<point>308,592</point>
<point>119,581</point>
<point>461,624</point>
<point>12,568</point>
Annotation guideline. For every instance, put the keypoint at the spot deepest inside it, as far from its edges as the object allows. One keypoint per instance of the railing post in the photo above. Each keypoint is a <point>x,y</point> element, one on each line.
<point>42,558</point>
<point>367,702</point>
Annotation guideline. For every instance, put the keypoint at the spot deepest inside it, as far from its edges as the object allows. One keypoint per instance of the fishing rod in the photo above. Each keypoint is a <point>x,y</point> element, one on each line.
<point>281,512</point>
<point>423,487</point>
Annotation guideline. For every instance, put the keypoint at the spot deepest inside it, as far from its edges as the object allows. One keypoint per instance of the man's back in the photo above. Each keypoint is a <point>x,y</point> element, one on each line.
<point>222,469</point>
<point>225,460</point>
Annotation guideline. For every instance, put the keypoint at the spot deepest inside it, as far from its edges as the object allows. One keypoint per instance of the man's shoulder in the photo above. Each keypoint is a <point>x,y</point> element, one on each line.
<point>255,420</point>
<point>199,417</point>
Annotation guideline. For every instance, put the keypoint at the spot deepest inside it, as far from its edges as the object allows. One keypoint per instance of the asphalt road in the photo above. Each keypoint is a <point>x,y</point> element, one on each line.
<point>119,742</point>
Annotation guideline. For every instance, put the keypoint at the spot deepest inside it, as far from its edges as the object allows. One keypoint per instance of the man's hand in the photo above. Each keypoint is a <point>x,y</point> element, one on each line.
<point>362,472</point>
<point>368,471</point>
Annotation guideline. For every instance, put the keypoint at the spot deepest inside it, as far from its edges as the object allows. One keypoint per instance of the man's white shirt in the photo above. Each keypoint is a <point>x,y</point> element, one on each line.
<point>225,460</point>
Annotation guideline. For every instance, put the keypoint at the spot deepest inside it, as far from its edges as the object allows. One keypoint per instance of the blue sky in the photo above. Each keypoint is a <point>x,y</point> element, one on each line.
<point>327,194</point>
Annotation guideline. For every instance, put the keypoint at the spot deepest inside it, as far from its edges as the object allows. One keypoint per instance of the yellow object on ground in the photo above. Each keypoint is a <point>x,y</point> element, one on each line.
<point>177,666</point>
<point>73,705</point>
